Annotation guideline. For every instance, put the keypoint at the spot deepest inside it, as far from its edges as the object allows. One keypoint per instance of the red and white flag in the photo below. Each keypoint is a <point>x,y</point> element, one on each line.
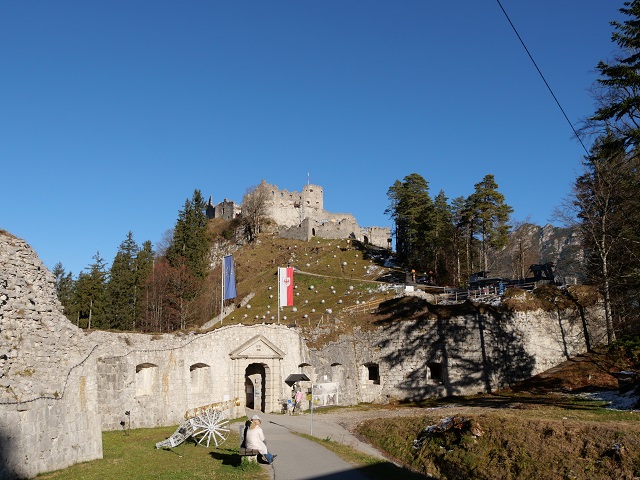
<point>285,286</point>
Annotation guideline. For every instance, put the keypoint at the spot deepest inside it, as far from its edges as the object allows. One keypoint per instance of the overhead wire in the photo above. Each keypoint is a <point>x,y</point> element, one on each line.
<point>543,78</point>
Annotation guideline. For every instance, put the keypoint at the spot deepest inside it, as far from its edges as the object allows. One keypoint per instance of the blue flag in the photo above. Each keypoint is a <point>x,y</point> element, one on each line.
<point>228,277</point>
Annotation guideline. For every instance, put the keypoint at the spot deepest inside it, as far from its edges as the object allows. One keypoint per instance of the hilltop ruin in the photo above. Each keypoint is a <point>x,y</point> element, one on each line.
<point>301,216</point>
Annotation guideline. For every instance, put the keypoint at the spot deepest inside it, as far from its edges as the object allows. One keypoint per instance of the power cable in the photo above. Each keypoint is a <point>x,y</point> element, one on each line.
<point>543,79</point>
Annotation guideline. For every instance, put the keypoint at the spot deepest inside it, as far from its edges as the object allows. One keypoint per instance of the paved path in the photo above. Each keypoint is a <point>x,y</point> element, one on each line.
<point>302,459</point>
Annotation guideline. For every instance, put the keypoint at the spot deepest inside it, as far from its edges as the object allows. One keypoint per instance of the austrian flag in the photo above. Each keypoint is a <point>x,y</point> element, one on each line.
<point>285,287</point>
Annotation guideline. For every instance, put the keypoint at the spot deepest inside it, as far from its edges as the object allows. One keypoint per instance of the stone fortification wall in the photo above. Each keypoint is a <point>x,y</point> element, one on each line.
<point>480,351</point>
<point>158,378</point>
<point>48,390</point>
<point>288,209</point>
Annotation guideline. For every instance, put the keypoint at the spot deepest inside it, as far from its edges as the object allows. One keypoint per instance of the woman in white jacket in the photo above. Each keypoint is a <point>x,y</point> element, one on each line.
<point>255,439</point>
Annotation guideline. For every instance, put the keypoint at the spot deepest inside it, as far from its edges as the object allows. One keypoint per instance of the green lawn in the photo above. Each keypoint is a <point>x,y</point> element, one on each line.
<point>134,456</point>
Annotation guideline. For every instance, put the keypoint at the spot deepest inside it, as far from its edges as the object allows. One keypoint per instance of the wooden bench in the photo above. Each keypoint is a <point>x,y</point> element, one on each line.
<point>247,454</point>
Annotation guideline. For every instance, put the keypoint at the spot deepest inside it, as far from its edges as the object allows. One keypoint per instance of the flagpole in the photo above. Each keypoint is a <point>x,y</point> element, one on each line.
<point>278,296</point>
<point>222,289</point>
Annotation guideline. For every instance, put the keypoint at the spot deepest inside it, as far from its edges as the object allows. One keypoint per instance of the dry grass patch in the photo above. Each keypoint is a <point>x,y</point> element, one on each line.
<point>514,446</point>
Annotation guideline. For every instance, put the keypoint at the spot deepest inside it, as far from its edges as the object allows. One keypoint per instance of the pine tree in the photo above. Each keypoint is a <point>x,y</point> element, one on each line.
<point>617,90</point>
<point>607,208</point>
<point>490,217</point>
<point>190,244</point>
<point>91,298</point>
<point>65,290</point>
<point>443,236</point>
<point>412,210</point>
<point>122,286</point>
<point>144,269</point>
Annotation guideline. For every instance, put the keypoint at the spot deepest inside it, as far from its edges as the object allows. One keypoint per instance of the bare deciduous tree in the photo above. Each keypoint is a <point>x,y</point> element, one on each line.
<point>254,210</point>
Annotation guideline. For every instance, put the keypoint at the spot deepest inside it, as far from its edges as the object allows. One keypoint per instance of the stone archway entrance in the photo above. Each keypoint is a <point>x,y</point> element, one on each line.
<point>256,386</point>
<point>257,377</point>
<point>249,391</point>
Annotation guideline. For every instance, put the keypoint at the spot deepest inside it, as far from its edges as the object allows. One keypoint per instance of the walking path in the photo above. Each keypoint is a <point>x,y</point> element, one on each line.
<point>302,459</point>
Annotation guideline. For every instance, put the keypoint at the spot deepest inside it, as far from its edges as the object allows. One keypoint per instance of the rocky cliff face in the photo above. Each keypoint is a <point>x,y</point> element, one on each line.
<point>531,244</point>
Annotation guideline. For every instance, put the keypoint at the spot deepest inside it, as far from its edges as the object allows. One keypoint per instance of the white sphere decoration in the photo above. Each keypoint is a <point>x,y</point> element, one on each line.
<point>329,311</point>
<point>295,287</point>
<point>270,296</point>
<point>263,317</point>
<point>268,312</point>
<point>357,302</point>
<point>344,264</point>
<point>245,315</point>
<point>248,305</point>
<point>308,264</point>
<point>268,306</point>
<point>272,317</point>
<point>313,310</point>
<point>356,255</point>
<point>294,309</point>
<point>284,318</point>
<point>321,301</point>
<point>350,287</point>
<point>311,287</point>
<point>297,294</point>
<point>305,316</point>
<point>340,301</point>
<point>306,301</point>
<point>270,288</point>
<point>257,317</point>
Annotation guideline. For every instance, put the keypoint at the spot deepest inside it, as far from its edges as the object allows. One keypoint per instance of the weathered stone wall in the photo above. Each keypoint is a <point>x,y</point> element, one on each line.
<point>48,390</point>
<point>158,378</point>
<point>482,350</point>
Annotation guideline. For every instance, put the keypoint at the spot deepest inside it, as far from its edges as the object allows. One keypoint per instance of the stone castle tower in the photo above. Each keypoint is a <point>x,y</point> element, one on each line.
<point>301,216</point>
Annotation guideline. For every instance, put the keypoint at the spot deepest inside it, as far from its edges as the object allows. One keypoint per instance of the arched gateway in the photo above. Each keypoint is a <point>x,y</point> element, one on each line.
<point>257,374</point>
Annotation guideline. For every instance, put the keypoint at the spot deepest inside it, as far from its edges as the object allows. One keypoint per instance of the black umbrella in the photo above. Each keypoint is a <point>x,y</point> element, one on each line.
<point>296,377</point>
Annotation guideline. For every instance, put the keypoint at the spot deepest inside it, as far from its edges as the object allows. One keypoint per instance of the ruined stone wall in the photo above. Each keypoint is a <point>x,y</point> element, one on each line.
<point>301,216</point>
<point>483,351</point>
<point>289,209</point>
<point>227,209</point>
<point>48,388</point>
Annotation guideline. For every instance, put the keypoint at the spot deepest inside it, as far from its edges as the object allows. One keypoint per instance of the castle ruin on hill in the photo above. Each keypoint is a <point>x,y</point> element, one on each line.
<point>301,216</point>
<point>61,386</point>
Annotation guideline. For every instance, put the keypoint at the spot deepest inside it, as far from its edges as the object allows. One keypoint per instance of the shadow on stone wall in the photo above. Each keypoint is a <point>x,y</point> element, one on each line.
<point>7,471</point>
<point>468,346</point>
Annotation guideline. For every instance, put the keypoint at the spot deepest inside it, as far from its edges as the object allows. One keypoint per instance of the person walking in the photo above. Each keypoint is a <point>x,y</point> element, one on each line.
<point>298,407</point>
<point>256,439</point>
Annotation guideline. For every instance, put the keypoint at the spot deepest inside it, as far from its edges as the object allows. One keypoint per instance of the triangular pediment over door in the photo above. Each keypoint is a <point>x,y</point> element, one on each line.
<point>259,347</point>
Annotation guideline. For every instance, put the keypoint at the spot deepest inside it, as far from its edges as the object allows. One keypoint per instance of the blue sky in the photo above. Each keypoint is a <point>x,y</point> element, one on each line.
<point>112,113</point>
